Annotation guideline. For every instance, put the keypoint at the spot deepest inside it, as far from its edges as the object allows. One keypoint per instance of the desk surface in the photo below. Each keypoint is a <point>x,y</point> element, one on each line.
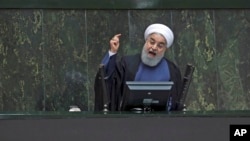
<point>120,126</point>
<point>60,115</point>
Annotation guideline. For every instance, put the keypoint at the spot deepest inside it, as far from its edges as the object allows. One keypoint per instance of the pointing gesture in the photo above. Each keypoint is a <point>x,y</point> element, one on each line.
<point>115,43</point>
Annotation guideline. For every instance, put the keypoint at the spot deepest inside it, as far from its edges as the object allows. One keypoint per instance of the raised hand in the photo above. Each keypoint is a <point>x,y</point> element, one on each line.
<point>115,43</point>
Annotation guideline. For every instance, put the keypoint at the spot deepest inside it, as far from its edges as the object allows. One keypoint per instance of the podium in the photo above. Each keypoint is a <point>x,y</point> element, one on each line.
<point>54,126</point>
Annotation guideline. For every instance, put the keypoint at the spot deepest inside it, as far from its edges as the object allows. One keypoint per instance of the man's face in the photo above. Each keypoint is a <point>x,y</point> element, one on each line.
<point>155,45</point>
<point>154,49</point>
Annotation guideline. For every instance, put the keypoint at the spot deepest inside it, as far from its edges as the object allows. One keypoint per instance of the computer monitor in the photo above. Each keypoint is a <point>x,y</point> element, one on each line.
<point>146,96</point>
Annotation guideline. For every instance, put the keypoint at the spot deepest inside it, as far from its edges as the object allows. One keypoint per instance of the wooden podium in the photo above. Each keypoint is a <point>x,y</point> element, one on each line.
<point>119,126</point>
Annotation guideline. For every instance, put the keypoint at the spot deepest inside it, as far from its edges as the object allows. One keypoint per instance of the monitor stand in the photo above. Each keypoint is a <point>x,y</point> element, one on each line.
<point>146,106</point>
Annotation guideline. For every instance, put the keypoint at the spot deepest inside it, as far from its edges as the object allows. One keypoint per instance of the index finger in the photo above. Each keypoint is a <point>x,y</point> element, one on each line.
<point>117,36</point>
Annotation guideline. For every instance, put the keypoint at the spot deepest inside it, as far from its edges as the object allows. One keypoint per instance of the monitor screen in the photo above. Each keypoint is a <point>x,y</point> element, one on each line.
<point>141,95</point>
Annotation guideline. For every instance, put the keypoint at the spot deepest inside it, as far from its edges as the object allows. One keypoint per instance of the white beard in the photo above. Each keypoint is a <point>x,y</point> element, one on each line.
<point>150,61</point>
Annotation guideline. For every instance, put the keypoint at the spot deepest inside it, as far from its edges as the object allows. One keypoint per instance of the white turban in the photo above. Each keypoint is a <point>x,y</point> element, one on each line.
<point>163,30</point>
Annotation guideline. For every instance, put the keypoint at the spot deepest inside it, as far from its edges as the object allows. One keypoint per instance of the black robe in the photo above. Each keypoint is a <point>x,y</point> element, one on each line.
<point>118,71</point>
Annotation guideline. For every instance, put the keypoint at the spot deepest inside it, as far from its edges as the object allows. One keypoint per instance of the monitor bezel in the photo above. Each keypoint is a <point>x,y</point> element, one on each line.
<point>150,95</point>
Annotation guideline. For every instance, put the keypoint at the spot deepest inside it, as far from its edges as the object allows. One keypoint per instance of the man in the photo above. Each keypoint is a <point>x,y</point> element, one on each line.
<point>150,65</point>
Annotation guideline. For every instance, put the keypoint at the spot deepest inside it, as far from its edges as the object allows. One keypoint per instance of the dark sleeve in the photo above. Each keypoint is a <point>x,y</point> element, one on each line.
<point>100,88</point>
<point>112,83</point>
<point>109,63</point>
<point>110,66</point>
<point>176,77</point>
<point>98,92</point>
<point>125,70</point>
<point>118,84</point>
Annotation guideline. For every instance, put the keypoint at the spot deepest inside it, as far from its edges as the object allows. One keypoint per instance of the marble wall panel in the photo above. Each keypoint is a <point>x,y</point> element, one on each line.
<point>65,59</point>
<point>49,57</point>
<point>195,44</point>
<point>232,31</point>
<point>21,59</point>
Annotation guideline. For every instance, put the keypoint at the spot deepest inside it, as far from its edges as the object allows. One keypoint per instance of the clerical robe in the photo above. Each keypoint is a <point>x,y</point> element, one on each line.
<point>119,70</point>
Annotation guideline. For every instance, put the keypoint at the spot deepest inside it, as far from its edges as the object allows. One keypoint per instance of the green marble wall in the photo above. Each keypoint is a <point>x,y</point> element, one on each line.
<point>49,57</point>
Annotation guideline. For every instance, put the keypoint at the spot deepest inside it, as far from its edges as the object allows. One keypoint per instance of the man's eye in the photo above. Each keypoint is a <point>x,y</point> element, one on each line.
<point>160,45</point>
<point>152,42</point>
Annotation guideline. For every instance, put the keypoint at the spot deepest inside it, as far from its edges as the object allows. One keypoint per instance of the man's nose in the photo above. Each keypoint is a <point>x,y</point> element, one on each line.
<point>154,46</point>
